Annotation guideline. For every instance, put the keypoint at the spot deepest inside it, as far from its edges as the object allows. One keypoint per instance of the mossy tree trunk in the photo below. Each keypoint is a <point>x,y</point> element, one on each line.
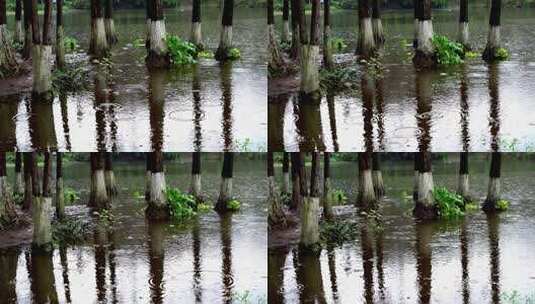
<point>377,25</point>
<point>196,29</point>
<point>7,211</point>
<point>158,53</point>
<point>286,36</point>
<point>196,185</point>
<point>424,57</point>
<point>111,34</point>
<point>366,195</point>
<point>28,40</point>
<point>98,45</point>
<point>493,193</point>
<point>328,195</point>
<point>377,176</point>
<point>309,56</point>
<point>225,192</point>
<point>225,39</point>
<point>365,44</point>
<point>276,216</point>
<point>463,187</point>
<point>493,38</point>
<point>18,189</point>
<point>60,35</point>
<point>276,62</point>
<point>158,208</point>
<point>285,173</point>
<point>463,35</point>
<point>98,197</point>
<point>42,52</point>
<point>18,37</point>
<point>8,62</point>
<point>42,206</point>
<point>297,163</point>
<point>28,184</point>
<point>310,235</point>
<point>109,175</point>
<point>327,43</point>
<point>60,197</point>
<point>425,208</point>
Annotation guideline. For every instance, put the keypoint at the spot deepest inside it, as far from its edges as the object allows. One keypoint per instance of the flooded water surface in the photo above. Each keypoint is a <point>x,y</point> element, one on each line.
<point>211,259</point>
<point>205,107</point>
<point>481,259</point>
<point>470,106</point>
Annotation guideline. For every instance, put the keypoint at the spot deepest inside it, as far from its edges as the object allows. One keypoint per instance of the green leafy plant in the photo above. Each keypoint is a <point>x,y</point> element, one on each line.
<point>340,79</point>
<point>234,53</point>
<point>502,205</point>
<point>338,44</point>
<point>471,207</point>
<point>69,231</point>
<point>340,196</point>
<point>182,52</point>
<point>70,195</point>
<point>184,206</point>
<point>139,42</point>
<point>502,54</point>
<point>233,205</point>
<point>471,54</point>
<point>450,204</point>
<point>338,232</point>
<point>69,79</point>
<point>139,195</point>
<point>70,43</point>
<point>448,52</point>
<point>205,54</point>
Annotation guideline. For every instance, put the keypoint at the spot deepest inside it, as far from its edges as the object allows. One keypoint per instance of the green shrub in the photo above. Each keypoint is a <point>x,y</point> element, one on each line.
<point>182,52</point>
<point>338,44</point>
<point>502,205</point>
<point>450,204</point>
<point>205,54</point>
<point>70,195</point>
<point>340,196</point>
<point>69,231</point>
<point>234,53</point>
<point>338,232</point>
<point>182,206</point>
<point>448,52</point>
<point>471,54</point>
<point>69,79</point>
<point>233,205</point>
<point>502,54</point>
<point>70,43</point>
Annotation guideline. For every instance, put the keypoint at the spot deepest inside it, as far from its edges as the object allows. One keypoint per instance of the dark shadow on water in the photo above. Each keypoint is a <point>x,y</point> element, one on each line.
<point>276,262</point>
<point>493,223</point>
<point>308,274</point>
<point>65,120</point>
<point>424,96</point>
<point>42,126</point>
<point>42,280</point>
<point>157,83</point>
<point>494,111</point>
<point>331,256</point>
<point>463,238</point>
<point>366,244</point>
<point>8,275</point>
<point>276,109</point>
<point>465,110</point>
<point>380,115</point>
<point>366,85</point>
<point>198,113</point>
<point>65,272</point>
<point>308,123</point>
<point>8,111</point>
<point>226,255</point>
<point>197,259</point>
<point>332,120</point>
<point>227,121</point>
<point>156,241</point>
<point>424,235</point>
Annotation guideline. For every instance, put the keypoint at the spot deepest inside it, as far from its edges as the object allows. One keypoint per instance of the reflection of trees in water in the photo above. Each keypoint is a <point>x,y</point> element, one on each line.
<point>197,259</point>
<point>8,110</point>
<point>367,262</point>
<point>424,93</point>
<point>424,233</point>
<point>276,109</point>
<point>465,111</point>
<point>156,260</point>
<point>308,123</point>
<point>8,274</point>
<point>157,108</point>
<point>276,262</point>
<point>464,263</point>
<point>42,127</point>
<point>198,112</point>
<point>367,110</point>
<point>332,120</point>
<point>226,253</point>
<point>331,256</point>
<point>308,274</point>
<point>101,242</point>
<point>494,111</point>
<point>101,97</point>
<point>65,120</point>
<point>226,99</point>
<point>42,279</point>
<point>493,222</point>
<point>380,115</point>
<point>65,272</point>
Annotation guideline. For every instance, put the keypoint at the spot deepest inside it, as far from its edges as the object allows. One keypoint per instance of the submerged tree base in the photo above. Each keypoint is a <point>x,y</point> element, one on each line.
<point>423,60</point>
<point>425,212</point>
<point>157,213</point>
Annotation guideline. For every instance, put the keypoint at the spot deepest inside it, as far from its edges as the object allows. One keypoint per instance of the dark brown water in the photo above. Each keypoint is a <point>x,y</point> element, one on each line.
<point>476,260</point>
<point>208,107</point>
<point>211,259</point>
<point>467,106</point>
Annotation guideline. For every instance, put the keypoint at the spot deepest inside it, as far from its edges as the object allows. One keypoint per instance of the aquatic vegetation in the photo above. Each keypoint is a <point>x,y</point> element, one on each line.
<point>70,195</point>
<point>340,196</point>
<point>338,232</point>
<point>139,195</point>
<point>471,54</point>
<point>448,52</point>
<point>338,44</point>
<point>234,53</point>
<point>70,79</point>
<point>233,205</point>
<point>471,207</point>
<point>69,231</point>
<point>502,54</point>
<point>70,43</point>
<point>339,79</point>
<point>182,52</point>
<point>205,54</point>
<point>243,146</point>
<point>245,297</point>
<point>502,205</point>
<point>139,42</point>
<point>182,206</point>
<point>450,204</point>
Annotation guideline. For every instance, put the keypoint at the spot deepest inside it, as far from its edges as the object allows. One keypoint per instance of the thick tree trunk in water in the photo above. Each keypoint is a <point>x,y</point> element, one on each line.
<point>425,204</point>
<point>310,209</point>
<point>310,82</point>
<point>377,176</point>
<point>493,39</point>
<point>328,196</point>
<point>98,196</point>
<point>98,46</point>
<point>463,187</point>
<point>196,28</point>
<point>19,180</point>
<point>377,25</point>
<point>19,33</point>
<point>225,192</point>
<point>148,175</point>
<point>493,193</point>
<point>327,43</point>
<point>366,194</point>
<point>195,188</point>
<point>60,198</point>
<point>42,208</point>
<point>296,38</point>
<point>60,47</point>
<point>158,56</point>
<point>276,216</point>
<point>366,43</point>
<point>111,184</point>
<point>42,52</point>
<point>225,39</point>
<point>157,209</point>
<point>463,36</point>
<point>286,173</point>
<point>424,56</point>
<point>111,34</point>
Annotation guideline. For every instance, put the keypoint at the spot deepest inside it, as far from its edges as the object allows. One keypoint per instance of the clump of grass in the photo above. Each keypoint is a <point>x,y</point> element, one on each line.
<point>205,54</point>
<point>338,44</point>
<point>182,52</point>
<point>69,79</point>
<point>448,52</point>
<point>340,196</point>
<point>70,43</point>
<point>70,195</point>
<point>69,231</point>
<point>450,204</point>
<point>339,79</point>
<point>502,54</point>
<point>184,206</point>
<point>338,232</point>
<point>502,205</point>
<point>471,54</point>
<point>471,207</point>
<point>233,205</point>
<point>234,54</point>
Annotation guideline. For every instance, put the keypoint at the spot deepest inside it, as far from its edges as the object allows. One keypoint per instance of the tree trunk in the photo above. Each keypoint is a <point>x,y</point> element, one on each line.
<point>8,62</point>
<point>60,44</point>
<point>225,193</point>
<point>366,43</point>
<point>493,38</point>
<point>111,34</point>
<point>296,201</point>
<point>42,208</point>
<point>195,188</point>
<point>296,37</point>
<point>377,25</point>
<point>310,209</point>
<point>19,33</point>
<point>98,198</point>
<point>328,195</point>
<point>276,62</point>
<point>463,187</point>
<point>327,43</point>
<point>416,176</point>
<point>425,208</point>
<point>493,193</point>
<point>28,39</point>
<point>111,184</point>
<point>148,175</point>
<point>158,53</point>
<point>424,57</point>
<point>196,32</point>
<point>29,166</point>
<point>19,181</point>
<point>60,197</point>
<point>225,40</point>
<point>366,194</point>
<point>286,36</point>
<point>309,57</point>
<point>42,52</point>
<point>286,173</point>
<point>463,36</point>
<point>276,217</point>
<point>158,208</point>
<point>98,46</point>
<point>377,176</point>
